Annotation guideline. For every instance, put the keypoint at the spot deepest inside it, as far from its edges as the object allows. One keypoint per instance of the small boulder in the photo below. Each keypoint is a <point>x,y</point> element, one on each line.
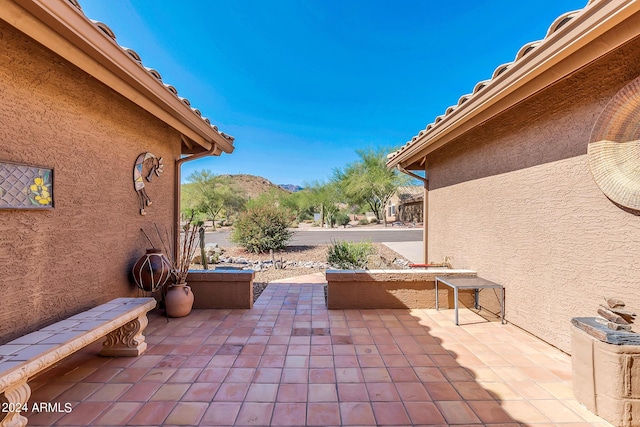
<point>211,248</point>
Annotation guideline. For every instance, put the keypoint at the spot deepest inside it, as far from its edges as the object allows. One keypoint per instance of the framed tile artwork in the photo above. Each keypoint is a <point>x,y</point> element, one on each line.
<point>25,186</point>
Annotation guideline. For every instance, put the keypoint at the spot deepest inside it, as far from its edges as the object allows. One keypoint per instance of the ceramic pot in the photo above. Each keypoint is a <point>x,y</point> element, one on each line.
<point>152,270</point>
<point>179,300</point>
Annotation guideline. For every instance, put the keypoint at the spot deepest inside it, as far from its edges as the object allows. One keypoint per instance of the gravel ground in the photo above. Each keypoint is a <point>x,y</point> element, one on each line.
<point>290,255</point>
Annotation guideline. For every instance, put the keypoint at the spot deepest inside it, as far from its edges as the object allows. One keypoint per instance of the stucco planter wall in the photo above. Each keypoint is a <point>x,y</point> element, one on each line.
<point>222,289</point>
<point>606,378</point>
<point>371,289</point>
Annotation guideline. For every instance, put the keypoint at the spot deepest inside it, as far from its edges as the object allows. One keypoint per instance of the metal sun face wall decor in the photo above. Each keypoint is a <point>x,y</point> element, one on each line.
<point>614,148</point>
<point>25,186</point>
<point>155,166</point>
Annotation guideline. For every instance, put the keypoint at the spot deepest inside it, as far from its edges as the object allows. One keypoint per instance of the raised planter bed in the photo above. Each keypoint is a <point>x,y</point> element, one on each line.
<point>606,371</point>
<point>370,289</point>
<point>221,288</point>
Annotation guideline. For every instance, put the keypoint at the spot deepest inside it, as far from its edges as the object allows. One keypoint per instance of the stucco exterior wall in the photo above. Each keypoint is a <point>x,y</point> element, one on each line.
<point>60,261</point>
<point>514,200</point>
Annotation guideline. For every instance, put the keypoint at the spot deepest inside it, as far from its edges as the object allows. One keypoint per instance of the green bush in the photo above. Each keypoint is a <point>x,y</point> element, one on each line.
<point>342,219</point>
<point>349,255</point>
<point>363,221</point>
<point>262,228</point>
<point>305,216</point>
<point>373,221</point>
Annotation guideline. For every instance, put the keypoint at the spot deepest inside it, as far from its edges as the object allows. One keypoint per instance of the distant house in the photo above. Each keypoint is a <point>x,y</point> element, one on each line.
<point>406,205</point>
<point>528,180</point>
<point>78,112</point>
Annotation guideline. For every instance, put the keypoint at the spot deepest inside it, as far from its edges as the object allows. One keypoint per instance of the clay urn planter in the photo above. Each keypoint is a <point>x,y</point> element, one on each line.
<point>178,300</point>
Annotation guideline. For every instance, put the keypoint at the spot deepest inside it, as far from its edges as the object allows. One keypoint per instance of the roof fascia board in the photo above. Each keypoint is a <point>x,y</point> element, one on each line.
<point>535,71</point>
<point>65,30</point>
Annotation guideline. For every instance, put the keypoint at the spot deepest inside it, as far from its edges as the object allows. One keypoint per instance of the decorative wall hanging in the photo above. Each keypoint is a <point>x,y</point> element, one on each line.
<point>614,148</point>
<point>154,165</point>
<point>25,186</point>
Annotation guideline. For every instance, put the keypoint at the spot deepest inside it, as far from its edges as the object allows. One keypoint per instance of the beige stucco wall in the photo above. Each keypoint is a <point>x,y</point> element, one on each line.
<point>57,262</point>
<point>515,201</point>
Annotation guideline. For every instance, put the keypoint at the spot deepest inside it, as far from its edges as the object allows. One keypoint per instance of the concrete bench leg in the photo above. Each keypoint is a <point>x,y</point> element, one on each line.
<point>127,341</point>
<point>17,397</point>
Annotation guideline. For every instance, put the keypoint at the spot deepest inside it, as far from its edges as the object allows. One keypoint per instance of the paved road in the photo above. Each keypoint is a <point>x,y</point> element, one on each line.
<point>320,236</point>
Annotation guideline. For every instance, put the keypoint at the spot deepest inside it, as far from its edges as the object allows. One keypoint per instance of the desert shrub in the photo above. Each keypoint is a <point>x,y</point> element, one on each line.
<point>349,255</point>
<point>305,216</point>
<point>373,221</point>
<point>262,228</point>
<point>363,221</point>
<point>342,218</point>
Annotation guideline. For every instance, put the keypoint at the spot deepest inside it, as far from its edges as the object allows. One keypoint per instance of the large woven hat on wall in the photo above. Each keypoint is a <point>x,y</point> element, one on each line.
<point>614,148</point>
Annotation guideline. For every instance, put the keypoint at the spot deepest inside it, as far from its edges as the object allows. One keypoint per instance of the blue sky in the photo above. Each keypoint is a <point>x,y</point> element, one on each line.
<point>302,84</point>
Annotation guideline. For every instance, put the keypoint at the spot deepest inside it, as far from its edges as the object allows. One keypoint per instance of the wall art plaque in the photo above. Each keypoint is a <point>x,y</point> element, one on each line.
<point>25,186</point>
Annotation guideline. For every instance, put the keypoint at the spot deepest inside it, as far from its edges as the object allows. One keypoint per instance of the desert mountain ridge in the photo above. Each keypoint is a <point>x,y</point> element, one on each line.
<point>291,187</point>
<point>252,186</point>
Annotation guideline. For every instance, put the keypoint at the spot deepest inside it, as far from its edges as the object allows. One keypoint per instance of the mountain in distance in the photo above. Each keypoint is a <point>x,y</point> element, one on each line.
<point>291,187</point>
<point>252,186</point>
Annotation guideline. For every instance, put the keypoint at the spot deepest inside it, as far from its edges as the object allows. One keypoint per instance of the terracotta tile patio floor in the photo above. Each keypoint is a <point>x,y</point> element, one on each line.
<point>290,361</point>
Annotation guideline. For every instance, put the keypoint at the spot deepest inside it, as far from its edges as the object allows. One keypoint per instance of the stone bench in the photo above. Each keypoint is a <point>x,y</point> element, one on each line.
<point>122,321</point>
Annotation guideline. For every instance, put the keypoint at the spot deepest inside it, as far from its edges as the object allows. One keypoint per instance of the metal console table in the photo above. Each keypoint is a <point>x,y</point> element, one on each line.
<point>469,282</point>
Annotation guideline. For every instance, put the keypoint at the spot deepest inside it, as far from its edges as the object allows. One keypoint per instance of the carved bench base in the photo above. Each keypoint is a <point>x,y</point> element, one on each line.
<point>127,341</point>
<point>17,397</point>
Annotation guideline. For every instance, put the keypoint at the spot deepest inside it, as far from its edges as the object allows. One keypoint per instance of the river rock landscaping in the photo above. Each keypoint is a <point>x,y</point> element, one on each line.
<point>290,262</point>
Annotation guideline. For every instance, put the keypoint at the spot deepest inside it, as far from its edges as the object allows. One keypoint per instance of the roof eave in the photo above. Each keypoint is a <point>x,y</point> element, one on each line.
<point>63,28</point>
<point>560,54</point>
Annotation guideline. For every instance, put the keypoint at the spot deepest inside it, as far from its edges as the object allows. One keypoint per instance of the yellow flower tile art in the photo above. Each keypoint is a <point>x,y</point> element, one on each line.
<point>25,186</point>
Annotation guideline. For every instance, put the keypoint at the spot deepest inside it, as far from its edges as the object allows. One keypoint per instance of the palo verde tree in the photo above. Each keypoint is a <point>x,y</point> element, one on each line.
<point>211,195</point>
<point>322,198</point>
<point>368,181</point>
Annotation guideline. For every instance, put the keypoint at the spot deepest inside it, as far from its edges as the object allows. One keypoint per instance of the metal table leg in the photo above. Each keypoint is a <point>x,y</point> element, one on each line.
<point>502,307</point>
<point>455,302</point>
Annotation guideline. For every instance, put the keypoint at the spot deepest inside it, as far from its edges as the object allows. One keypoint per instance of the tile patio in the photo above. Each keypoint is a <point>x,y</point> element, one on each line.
<point>291,362</point>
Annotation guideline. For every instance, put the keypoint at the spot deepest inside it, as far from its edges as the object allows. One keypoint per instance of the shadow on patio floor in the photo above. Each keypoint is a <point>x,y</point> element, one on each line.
<point>290,361</point>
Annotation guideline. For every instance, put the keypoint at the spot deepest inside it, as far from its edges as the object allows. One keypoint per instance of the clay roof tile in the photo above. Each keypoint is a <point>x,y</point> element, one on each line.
<point>555,26</point>
<point>136,58</point>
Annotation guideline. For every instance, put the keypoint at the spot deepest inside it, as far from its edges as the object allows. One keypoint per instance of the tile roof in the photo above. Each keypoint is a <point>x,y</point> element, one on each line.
<point>154,73</point>
<point>410,192</point>
<point>480,86</point>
